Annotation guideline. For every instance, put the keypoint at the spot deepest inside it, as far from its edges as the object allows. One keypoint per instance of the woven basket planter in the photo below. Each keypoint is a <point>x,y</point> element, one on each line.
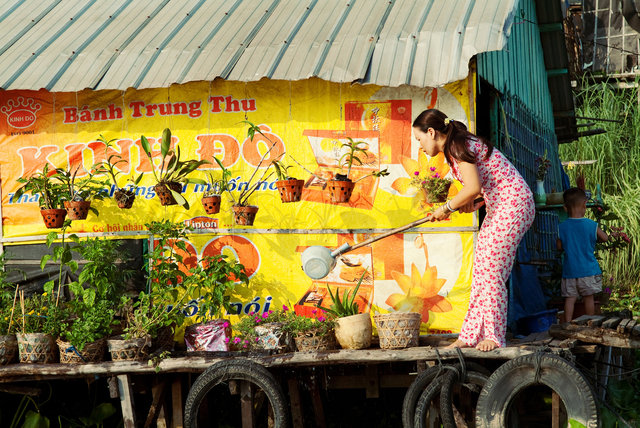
<point>37,348</point>
<point>92,352</point>
<point>311,341</point>
<point>273,337</point>
<point>398,330</point>
<point>8,349</point>
<point>129,349</point>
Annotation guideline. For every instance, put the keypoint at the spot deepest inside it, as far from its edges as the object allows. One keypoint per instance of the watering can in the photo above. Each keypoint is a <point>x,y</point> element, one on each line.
<point>318,261</point>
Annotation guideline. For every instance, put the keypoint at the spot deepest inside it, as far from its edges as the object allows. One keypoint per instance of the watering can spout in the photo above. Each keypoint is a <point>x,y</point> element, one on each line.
<point>341,249</point>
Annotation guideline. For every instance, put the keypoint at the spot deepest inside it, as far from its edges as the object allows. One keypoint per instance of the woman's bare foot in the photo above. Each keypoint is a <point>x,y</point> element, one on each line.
<point>458,344</point>
<point>486,345</point>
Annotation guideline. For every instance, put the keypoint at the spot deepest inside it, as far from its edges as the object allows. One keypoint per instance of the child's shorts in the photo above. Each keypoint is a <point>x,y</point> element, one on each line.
<point>585,286</point>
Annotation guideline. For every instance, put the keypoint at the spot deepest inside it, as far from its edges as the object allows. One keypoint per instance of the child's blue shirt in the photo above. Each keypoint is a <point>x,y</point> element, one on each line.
<point>578,236</point>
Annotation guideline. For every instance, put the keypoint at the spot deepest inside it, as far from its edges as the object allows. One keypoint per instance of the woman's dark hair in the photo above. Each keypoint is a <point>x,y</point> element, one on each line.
<point>455,146</point>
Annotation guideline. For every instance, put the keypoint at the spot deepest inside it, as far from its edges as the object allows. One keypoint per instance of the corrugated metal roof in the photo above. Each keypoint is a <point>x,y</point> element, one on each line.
<point>70,45</point>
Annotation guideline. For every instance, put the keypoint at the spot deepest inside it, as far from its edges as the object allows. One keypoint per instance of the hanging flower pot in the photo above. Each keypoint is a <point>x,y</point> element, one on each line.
<point>124,198</point>
<point>340,190</point>
<point>77,210</point>
<point>8,349</point>
<point>244,215</point>
<point>211,204</point>
<point>53,218</point>
<point>439,196</point>
<point>164,194</point>
<point>290,190</point>
<point>36,348</point>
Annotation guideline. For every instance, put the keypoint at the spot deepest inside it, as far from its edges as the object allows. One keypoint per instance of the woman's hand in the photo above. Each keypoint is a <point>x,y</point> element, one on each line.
<point>472,206</point>
<point>440,213</point>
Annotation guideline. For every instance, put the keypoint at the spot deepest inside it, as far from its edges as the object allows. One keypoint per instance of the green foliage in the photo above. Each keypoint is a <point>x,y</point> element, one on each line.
<point>616,171</point>
<point>217,185</point>
<point>80,188</point>
<point>212,280</point>
<point>432,184</point>
<point>242,198</point>
<point>346,306</point>
<point>112,164</point>
<point>245,337</point>
<point>282,170</point>
<point>150,313</point>
<point>171,169</point>
<point>49,192</point>
<point>623,395</point>
<point>353,148</point>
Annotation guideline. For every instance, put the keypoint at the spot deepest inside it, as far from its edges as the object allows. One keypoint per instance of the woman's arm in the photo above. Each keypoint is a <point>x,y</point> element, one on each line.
<point>465,197</point>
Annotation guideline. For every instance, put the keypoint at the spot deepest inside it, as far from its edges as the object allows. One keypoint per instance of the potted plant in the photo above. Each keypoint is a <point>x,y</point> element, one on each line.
<point>212,198</point>
<point>124,196</point>
<point>266,331</point>
<point>172,173</point>
<point>79,191</point>
<point>353,329</point>
<point>341,186</point>
<point>434,186</point>
<point>95,302</point>
<point>243,213</point>
<point>38,321</point>
<point>290,188</point>
<point>312,334</point>
<point>49,194</point>
<point>210,282</point>
<point>543,165</point>
<point>8,299</point>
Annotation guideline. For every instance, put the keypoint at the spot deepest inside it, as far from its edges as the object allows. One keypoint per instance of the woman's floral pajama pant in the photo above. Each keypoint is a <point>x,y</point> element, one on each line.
<point>495,251</point>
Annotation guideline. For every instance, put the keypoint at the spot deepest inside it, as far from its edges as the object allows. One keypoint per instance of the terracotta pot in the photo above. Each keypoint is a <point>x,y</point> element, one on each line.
<point>211,204</point>
<point>53,218</point>
<point>165,196</point>
<point>340,190</point>
<point>244,215</point>
<point>125,198</point>
<point>77,210</point>
<point>290,190</point>
<point>354,332</point>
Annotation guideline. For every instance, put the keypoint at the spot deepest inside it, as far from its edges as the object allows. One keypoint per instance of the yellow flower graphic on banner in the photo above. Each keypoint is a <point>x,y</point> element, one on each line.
<point>434,165</point>
<point>420,292</point>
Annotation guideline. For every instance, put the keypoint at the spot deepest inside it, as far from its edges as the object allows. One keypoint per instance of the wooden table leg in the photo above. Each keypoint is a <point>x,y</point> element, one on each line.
<point>296,403</point>
<point>126,401</point>
<point>157,392</point>
<point>555,410</point>
<point>176,400</point>
<point>246,404</point>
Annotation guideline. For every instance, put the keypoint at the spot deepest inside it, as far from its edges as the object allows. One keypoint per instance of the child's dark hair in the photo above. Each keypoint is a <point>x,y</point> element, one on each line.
<point>573,197</point>
<point>456,133</point>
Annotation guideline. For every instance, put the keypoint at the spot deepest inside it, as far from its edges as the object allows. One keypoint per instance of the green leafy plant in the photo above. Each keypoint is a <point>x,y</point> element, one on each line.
<point>171,169</point>
<point>80,188</point>
<point>212,280</point>
<point>49,191</point>
<point>110,167</point>
<point>543,165</point>
<point>346,306</point>
<point>242,197</point>
<point>151,312</point>
<point>282,170</point>
<point>355,150</point>
<point>216,185</point>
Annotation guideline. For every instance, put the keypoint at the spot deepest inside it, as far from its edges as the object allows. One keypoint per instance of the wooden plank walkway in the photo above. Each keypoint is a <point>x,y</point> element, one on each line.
<point>600,329</point>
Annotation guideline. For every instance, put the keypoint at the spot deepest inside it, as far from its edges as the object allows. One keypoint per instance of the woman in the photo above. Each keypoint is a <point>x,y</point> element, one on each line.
<point>483,170</point>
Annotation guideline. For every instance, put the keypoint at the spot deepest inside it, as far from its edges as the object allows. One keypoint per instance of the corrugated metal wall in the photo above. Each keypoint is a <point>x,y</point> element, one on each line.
<point>522,124</point>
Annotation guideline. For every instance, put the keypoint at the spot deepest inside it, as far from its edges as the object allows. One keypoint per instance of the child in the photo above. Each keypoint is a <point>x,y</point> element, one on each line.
<point>485,171</point>
<point>581,274</point>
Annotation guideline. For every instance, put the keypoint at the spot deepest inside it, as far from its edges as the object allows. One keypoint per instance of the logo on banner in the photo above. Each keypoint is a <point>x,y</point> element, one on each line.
<point>21,112</point>
<point>202,222</point>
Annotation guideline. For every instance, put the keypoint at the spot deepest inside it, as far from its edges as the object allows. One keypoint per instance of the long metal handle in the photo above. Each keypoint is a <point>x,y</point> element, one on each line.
<point>397,230</point>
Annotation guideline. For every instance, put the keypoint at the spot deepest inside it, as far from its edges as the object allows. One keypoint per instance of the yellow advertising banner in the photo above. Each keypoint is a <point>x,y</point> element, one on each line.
<point>426,270</point>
